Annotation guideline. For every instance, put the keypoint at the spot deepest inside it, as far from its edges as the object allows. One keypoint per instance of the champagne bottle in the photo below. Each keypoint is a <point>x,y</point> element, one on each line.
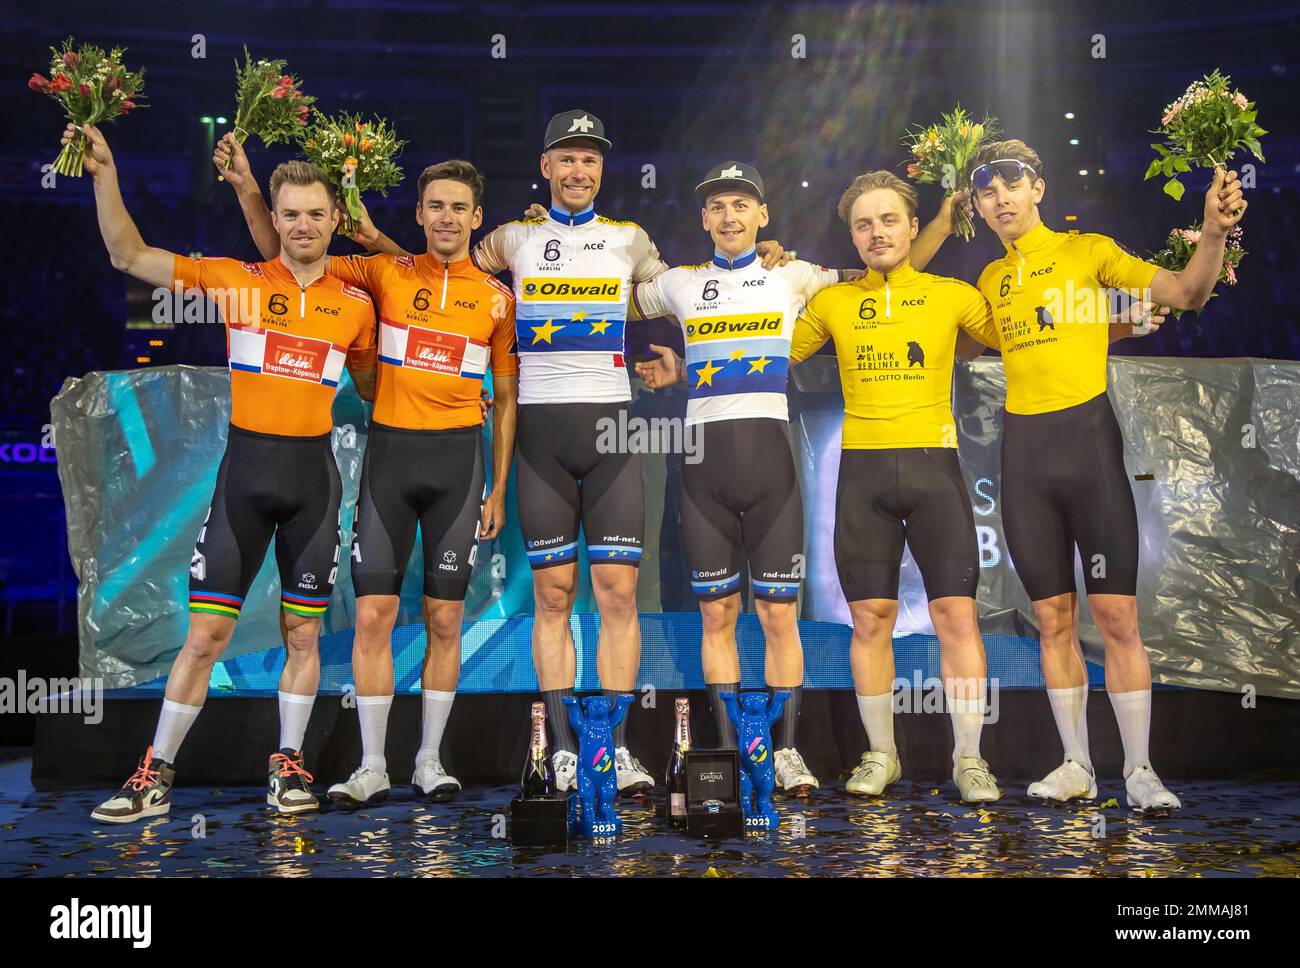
<point>675,780</point>
<point>538,780</point>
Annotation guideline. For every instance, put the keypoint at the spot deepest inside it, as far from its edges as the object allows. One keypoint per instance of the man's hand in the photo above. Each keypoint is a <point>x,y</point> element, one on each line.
<point>664,371</point>
<point>493,517</point>
<point>1224,204</point>
<point>97,155</point>
<point>484,403</point>
<point>536,210</point>
<point>1142,318</point>
<point>239,175</point>
<point>951,204</point>
<point>773,254</point>
<point>366,234</point>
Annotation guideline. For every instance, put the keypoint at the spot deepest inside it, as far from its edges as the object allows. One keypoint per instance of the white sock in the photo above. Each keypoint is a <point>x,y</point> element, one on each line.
<point>877,714</point>
<point>174,722</point>
<point>1070,709</point>
<point>1133,713</point>
<point>373,713</point>
<point>295,710</point>
<point>437,707</point>
<point>967,721</point>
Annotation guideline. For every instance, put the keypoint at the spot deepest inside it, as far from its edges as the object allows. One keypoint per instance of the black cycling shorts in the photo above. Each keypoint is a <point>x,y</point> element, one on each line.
<point>433,478</point>
<point>743,492</point>
<point>915,495</point>
<point>1064,485</point>
<point>574,467</point>
<point>270,486</point>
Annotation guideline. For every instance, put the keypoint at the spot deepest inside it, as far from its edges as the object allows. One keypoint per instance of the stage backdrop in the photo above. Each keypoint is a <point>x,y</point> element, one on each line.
<point>1213,453</point>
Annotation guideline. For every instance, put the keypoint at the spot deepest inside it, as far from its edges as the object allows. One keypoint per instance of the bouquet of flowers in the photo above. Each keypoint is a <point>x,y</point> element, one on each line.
<point>943,152</point>
<point>1204,128</point>
<point>357,156</point>
<point>1180,246</point>
<point>93,86</point>
<point>269,103</point>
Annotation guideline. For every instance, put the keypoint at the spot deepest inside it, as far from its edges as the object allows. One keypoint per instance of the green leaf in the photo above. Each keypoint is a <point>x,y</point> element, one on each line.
<point>1174,189</point>
<point>1153,169</point>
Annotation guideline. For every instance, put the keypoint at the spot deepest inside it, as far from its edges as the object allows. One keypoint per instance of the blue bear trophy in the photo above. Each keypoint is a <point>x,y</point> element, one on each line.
<point>753,719</point>
<point>597,779</point>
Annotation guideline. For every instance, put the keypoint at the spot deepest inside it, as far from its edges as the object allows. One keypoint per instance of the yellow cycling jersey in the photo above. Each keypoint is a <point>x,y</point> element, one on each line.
<point>1051,302</point>
<point>895,338</point>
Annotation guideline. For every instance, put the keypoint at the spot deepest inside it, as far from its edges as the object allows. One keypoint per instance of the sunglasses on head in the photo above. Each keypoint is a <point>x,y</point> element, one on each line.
<point>1008,169</point>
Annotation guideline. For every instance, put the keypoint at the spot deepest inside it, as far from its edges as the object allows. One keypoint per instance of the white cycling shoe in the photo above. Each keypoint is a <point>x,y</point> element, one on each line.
<point>1146,794</point>
<point>1069,781</point>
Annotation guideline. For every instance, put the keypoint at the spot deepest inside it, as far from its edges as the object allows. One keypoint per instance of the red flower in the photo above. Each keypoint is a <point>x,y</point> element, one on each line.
<point>61,82</point>
<point>286,80</point>
<point>40,83</point>
<point>85,90</point>
<point>278,92</point>
<point>70,59</point>
<point>114,83</point>
<point>127,105</point>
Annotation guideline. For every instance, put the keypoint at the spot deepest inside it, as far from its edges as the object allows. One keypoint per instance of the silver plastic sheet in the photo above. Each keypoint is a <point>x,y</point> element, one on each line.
<point>138,453</point>
<point>1212,450</point>
<point>138,456</point>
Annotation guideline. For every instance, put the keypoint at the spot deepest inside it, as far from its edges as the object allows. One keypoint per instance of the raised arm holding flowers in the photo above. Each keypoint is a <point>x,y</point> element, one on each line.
<point>93,87</point>
<point>942,153</point>
<point>357,155</point>
<point>1204,128</point>
<point>269,102</point>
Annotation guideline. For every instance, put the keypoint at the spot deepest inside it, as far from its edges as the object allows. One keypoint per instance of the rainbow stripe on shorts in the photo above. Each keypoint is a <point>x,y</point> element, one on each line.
<point>216,604</point>
<point>304,605</point>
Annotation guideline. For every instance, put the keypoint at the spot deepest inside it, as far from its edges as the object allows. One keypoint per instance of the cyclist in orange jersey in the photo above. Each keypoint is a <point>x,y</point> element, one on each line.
<point>291,328</point>
<point>443,321</point>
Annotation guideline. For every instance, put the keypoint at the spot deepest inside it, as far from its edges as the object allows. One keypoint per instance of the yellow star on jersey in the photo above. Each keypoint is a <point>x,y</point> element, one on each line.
<point>549,555</point>
<point>544,333</point>
<point>579,316</point>
<point>738,354</point>
<point>756,366</point>
<point>706,373</point>
<point>599,328</point>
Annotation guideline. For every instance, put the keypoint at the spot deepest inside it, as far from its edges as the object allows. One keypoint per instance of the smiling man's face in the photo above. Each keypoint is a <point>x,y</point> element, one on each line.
<point>732,220</point>
<point>448,215</point>
<point>574,172</point>
<point>882,229</point>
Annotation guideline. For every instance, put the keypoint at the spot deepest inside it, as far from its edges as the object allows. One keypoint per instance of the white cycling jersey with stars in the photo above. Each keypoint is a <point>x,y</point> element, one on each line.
<point>737,319</point>
<point>572,272</point>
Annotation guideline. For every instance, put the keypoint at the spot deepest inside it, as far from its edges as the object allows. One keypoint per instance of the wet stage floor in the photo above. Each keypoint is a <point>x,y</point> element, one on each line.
<point>1224,829</point>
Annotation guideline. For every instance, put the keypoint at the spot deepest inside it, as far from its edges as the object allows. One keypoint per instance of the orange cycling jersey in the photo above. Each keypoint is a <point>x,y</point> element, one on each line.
<point>286,343</point>
<point>440,325</point>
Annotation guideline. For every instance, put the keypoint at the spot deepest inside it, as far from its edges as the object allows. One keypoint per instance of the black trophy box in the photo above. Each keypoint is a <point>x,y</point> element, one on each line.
<point>539,823</point>
<point>713,794</point>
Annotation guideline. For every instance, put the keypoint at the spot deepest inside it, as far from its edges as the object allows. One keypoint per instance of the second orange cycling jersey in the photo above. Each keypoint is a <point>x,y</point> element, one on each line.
<point>287,343</point>
<point>441,324</point>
